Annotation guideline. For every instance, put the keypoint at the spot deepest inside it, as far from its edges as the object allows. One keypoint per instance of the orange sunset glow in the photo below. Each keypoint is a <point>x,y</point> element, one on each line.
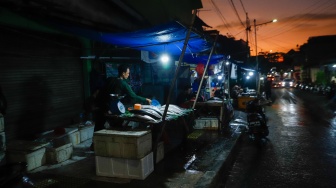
<point>297,20</point>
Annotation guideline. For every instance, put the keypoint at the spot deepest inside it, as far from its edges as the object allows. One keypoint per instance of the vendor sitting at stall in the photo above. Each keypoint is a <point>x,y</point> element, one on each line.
<point>184,97</point>
<point>120,87</point>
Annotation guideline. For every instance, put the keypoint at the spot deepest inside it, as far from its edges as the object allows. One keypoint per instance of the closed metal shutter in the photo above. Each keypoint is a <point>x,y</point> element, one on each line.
<point>41,77</point>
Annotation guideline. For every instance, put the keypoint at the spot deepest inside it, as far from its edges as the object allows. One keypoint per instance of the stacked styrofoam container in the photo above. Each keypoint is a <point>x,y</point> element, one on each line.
<point>123,154</point>
<point>2,141</point>
<point>85,132</point>
<point>33,153</point>
<point>60,146</point>
<point>56,155</point>
<point>68,135</point>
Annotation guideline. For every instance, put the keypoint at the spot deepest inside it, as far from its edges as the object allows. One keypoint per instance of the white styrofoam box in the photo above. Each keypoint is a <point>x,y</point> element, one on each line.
<point>2,123</point>
<point>25,145</point>
<point>86,132</point>
<point>56,139</point>
<point>206,123</point>
<point>75,138</point>
<point>31,152</point>
<point>159,152</point>
<point>59,154</point>
<point>2,141</point>
<point>122,144</point>
<point>33,159</point>
<point>125,168</point>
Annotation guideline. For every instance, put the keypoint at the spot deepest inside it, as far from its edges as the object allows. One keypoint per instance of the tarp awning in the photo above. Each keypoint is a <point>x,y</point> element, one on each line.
<point>167,38</point>
<point>195,59</point>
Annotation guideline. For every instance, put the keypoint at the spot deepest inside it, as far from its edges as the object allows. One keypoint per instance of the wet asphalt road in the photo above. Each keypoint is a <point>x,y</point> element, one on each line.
<point>301,146</point>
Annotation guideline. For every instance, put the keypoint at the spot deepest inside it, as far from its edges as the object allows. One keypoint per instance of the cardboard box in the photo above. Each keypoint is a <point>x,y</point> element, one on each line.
<point>122,144</point>
<point>59,154</point>
<point>206,123</point>
<point>33,153</point>
<point>242,101</point>
<point>125,168</point>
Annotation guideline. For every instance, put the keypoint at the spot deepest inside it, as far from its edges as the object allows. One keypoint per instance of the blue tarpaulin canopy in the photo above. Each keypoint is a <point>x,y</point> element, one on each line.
<point>166,38</point>
<point>192,59</point>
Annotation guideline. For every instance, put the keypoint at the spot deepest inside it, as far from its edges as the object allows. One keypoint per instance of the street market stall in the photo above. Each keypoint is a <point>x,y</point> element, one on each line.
<point>149,117</point>
<point>206,112</point>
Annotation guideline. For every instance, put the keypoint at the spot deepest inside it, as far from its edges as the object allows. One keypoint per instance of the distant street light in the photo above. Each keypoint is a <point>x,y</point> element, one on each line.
<point>256,49</point>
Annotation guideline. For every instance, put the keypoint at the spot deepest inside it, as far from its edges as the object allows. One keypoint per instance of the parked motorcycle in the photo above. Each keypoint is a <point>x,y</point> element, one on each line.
<point>256,119</point>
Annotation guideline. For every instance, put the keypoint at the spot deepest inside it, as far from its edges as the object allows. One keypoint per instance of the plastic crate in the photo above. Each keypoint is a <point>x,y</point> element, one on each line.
<point>125,168</point>
<point>122,144</point>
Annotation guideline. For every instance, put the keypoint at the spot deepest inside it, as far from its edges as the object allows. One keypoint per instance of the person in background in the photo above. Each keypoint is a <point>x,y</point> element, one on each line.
<point>268,88</point>
<point>184,96</point>
<point>235,93</point>
<point>97,82</point>
<point>3,103</point>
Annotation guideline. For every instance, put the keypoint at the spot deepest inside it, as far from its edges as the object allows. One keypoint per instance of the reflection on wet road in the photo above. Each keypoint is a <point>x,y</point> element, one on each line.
<point>285,96</point>
<point>289,107</point>
<point>301,147</point>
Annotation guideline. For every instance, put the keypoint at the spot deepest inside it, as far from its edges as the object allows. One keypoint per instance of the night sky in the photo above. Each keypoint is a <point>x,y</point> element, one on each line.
<point>297,21</point>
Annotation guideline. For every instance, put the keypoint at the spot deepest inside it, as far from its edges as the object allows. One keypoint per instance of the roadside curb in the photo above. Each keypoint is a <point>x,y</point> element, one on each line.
<point>222,164</point>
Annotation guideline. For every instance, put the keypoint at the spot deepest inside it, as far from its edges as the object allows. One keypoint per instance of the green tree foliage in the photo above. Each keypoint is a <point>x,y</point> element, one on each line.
<point>321,78</point>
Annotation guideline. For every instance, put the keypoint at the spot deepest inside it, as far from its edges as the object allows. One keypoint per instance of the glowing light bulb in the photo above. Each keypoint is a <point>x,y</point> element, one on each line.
<point>164,58</point>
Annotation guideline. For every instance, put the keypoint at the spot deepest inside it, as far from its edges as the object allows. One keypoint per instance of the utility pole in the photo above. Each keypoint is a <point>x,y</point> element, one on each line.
<point>257,63</point>
<point>248,29</point>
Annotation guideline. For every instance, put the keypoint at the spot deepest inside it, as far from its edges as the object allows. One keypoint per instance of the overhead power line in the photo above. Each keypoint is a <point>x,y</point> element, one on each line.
<point>236,12</point>
<point>295,22</point>
<point>243,6</point>
<point>225,22</point>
